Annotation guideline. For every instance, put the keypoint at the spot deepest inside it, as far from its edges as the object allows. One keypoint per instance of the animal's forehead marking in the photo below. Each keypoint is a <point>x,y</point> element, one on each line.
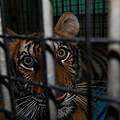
<point>27,46</point>
<point>60,44</point>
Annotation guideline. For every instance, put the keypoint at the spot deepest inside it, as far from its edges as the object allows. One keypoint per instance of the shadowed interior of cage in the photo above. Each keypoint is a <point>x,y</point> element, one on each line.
<point>21,16</point>
<point>24,17</point>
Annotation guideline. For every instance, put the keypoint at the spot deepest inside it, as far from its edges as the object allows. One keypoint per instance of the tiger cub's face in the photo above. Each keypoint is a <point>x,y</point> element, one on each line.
<point>28,63</point>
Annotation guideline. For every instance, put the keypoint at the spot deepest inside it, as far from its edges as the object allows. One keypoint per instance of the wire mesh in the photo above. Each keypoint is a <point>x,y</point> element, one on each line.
<point>100,14</point>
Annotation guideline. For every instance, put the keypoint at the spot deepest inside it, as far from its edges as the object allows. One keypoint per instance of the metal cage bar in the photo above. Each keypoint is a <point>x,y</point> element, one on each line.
<point>89,30</point>
<point>3,71</point>
<point>48,32</point>
<point>114,62</point>
<point>6,88</point>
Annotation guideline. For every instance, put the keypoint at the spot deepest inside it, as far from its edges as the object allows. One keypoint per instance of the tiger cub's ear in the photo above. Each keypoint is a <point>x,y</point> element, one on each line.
<point>10,32</point>
<point>67,26</point>
<point>12,42</point>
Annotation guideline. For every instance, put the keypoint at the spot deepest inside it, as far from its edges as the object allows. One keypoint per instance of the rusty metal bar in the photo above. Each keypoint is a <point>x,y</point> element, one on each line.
<point>114,49</point>
<point>48,32</point>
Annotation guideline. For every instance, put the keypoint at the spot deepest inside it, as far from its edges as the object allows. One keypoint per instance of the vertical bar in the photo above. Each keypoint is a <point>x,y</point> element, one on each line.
<point>3,71</point>
<point>48,32</point>
<point>25,14</point>
<point>114,63</point>
<point>94,19</point>
<point>103,19</point>
<point>89,8</point>
<point>13,11</point>
<point>56,2</point>
<point>70,5</point>
<point>78,6</point>
<point>78,10</point>
<point>62,6</point>
<point>5,65</point>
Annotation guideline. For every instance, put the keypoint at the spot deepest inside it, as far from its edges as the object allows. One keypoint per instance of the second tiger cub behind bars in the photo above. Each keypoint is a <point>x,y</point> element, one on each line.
<point>71,62</point>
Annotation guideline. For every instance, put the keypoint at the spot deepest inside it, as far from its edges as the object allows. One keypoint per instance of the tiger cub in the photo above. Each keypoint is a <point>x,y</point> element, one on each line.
<point>70,61</point>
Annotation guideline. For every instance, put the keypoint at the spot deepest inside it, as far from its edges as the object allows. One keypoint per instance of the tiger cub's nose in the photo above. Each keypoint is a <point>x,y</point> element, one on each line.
<point>60,95</point>
<point>40,96</point>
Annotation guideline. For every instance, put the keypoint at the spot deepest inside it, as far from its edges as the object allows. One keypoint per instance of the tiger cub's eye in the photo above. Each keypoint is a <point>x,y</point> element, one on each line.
<point>62,53</point>
<point>28,61</point>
